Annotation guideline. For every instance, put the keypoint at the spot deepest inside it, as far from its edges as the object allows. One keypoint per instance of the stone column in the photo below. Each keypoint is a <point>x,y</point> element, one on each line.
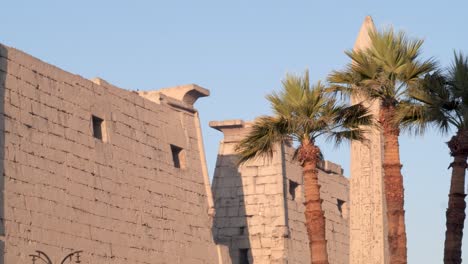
<point>368,225</point>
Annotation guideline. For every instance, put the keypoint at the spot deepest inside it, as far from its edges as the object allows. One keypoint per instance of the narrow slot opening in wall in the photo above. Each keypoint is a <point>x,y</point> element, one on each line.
<point>244,256</point>
<point>340,204</point>
<point>178,156</point>
<point>242,230</point>
<point>292,189</point>
<point>98,128</point>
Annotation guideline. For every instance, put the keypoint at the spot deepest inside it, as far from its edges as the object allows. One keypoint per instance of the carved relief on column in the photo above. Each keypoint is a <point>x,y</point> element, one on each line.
<point>367,204</point>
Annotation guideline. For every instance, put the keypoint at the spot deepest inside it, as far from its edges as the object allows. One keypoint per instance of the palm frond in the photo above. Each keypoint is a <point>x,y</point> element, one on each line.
<point>458,76</point>
<point>302,112</point>
<point>438,100</point>
<point>415,118</point>
<point>387,66</point>
<point>266,131</point>
<point>341,136</point>
<point>349,123</point>
<point>390,71</point>
<point>354,116</point>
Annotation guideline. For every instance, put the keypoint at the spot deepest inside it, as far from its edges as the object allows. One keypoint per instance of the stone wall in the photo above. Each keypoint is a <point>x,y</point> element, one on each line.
<point>117,195</point>
<point>249,203</point>
<point>259,205</point>
<point>334,192</point>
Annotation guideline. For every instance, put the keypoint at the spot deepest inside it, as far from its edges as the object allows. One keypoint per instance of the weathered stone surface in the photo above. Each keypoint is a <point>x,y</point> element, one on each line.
<point>267,195</point>
<point>119,199</point>
<point>368,241</point>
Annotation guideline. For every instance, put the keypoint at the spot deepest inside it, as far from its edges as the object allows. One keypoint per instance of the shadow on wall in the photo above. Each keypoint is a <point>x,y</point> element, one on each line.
<point>3,73</point>
<point>230,224</point>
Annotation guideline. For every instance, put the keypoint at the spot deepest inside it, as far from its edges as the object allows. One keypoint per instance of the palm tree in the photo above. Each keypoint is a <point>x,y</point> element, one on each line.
<point>383,72</point>
<point>443,102</point>
<point>302,113</point>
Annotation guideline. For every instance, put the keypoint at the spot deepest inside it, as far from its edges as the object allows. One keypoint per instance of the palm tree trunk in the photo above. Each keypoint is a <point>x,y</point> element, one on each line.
<point>393,187</point>
<point>315,219</point>
<point>456,205</point>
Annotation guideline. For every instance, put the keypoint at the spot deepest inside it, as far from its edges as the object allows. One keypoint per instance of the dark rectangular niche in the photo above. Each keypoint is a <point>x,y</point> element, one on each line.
<point>178,156</point>
<point>244,256</point>
<point>340,204</point>
<point>98,128</point>
<point>292,189</point>
<point>242,230</point>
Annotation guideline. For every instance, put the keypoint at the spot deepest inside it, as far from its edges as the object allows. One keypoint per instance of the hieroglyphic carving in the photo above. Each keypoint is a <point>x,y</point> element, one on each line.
<point>367,209</point>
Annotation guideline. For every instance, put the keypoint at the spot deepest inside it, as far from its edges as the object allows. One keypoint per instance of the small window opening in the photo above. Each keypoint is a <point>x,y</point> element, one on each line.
<point>242,230</point>
<point>178,156</point>
<point>292,189</point>
<point>340,204</point>
<point>98,128</point>
<point>244,256</point>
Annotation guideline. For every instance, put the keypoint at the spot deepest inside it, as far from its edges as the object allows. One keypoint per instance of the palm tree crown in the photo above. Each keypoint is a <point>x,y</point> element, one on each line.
<point>383,73</point>
<point>442,100</point>
<point>384,70</point>
<point>303,112</point>
<point>439,99</point>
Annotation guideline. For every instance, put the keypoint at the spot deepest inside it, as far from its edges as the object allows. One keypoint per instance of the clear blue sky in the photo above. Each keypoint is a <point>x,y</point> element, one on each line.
<point>240,50</point>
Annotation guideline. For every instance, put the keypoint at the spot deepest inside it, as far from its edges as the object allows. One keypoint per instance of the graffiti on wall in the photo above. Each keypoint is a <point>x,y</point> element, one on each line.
<point>41,257</point>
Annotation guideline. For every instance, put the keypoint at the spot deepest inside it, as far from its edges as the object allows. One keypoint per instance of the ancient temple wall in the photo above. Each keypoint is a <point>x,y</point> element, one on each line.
<point>334,192</point>
<point>118,196</point>
<point>298,242</point>
<point>250,217</point>
<point>265,197</point>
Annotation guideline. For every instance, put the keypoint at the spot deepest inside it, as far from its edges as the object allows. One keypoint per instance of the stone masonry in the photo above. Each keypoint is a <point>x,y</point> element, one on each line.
<point>121,177</point>
<point>368,235</point>
<point>88,166</point>
<point>259,205</point>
